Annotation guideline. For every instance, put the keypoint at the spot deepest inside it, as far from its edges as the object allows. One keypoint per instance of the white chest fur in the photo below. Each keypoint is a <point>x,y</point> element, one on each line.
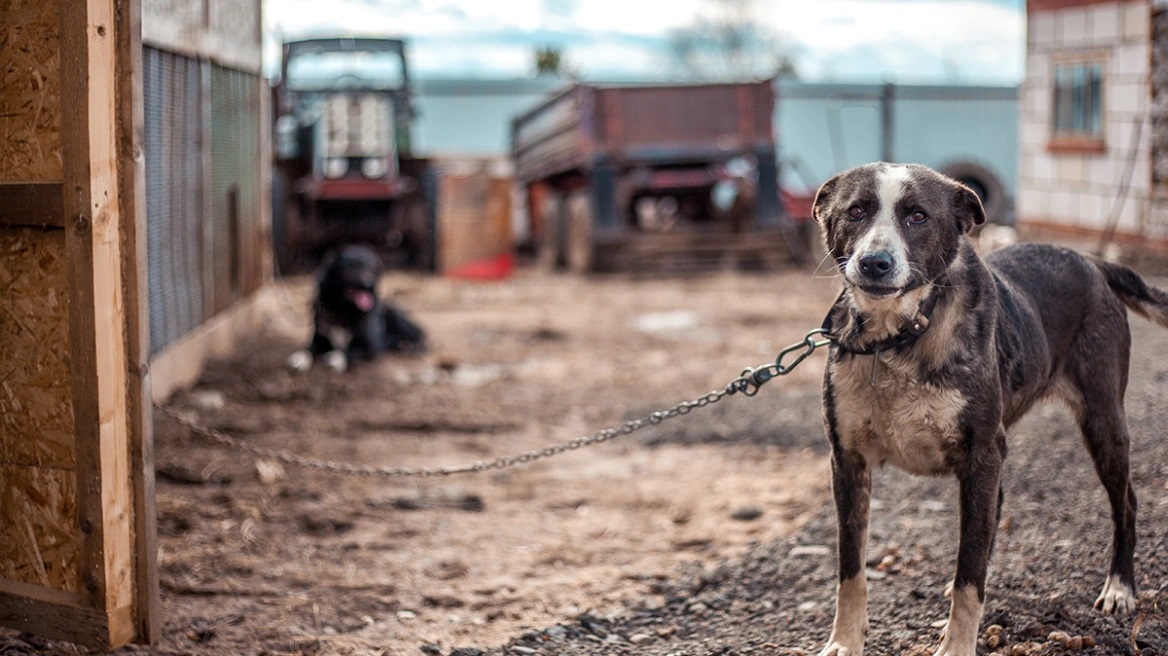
<point>889,415</point>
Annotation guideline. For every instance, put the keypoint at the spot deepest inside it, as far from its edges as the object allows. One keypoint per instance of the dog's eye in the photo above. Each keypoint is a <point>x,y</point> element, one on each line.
<point>856,212</point>
<point>918,217</point>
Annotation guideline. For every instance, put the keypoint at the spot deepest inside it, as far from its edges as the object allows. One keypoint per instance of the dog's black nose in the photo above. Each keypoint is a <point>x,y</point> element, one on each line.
<point>876,265</point>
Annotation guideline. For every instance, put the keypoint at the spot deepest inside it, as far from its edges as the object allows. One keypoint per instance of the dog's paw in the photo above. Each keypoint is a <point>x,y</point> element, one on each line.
<point>1117,597</point>
<point>834,648</point>
<point>336,360</point>
<point>300,361</point>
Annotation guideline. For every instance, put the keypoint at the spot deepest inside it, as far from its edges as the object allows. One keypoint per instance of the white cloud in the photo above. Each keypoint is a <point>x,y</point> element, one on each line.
<point>899,40</point>
<point>913,37</point>
<point>634,16</point>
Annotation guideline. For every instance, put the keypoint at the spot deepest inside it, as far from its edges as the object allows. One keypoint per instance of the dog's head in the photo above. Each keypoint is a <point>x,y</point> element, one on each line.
<point>892,228</point>
<point>350,278</point>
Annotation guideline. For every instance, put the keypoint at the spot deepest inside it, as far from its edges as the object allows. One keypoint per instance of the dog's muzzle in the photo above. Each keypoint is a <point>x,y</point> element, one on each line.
<point>876,266</point>
<point>874,274</point>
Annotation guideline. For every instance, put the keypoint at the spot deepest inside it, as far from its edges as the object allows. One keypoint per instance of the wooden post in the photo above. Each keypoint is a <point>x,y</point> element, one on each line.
<point>94,201</point>
<point>131,130</point>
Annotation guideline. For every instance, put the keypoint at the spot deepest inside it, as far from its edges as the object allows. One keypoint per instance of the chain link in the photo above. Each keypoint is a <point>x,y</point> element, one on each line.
<point>747,384</point>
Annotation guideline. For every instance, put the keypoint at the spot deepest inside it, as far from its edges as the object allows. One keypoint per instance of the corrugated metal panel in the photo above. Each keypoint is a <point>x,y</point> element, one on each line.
<point>235,225</point>
<point>174,183</point>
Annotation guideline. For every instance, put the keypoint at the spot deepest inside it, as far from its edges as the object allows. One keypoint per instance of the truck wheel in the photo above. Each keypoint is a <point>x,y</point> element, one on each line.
<point>551,241</point>
<point>987,186</point>
<point>579,233</point>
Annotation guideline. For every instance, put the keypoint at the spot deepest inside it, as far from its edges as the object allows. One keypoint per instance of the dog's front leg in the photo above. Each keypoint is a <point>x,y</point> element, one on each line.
<point>980,484</point>
<point>851,483</point>
<point>369,337</point>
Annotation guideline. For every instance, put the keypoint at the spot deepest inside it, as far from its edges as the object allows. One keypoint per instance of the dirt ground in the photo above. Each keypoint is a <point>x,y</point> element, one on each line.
<point>709,534</point>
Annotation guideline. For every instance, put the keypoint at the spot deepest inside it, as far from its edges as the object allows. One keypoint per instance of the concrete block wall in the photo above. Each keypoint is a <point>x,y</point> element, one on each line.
<point>1081,190</point>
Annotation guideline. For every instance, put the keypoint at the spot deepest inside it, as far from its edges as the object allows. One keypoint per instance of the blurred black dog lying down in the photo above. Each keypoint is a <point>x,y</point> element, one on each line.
<point>350,320</point>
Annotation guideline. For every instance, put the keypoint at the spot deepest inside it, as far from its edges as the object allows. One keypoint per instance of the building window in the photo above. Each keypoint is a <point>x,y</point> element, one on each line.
<point>1077,119</point>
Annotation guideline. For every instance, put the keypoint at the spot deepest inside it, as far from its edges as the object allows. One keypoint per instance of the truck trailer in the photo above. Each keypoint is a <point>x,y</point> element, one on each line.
<point>617,177</point>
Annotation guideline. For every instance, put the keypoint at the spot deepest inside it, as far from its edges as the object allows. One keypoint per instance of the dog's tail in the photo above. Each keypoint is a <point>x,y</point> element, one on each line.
<point>1143,299</point>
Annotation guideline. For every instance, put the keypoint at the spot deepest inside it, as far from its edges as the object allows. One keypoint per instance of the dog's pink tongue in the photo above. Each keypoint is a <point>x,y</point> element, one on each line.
<point>363,300</point>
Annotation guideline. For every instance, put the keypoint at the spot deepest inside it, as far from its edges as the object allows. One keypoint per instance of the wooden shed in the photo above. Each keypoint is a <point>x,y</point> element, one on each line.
<point>93,244</point>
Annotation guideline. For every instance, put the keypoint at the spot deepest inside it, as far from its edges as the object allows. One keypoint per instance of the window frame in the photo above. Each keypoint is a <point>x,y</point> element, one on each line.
<point>1078,140</point>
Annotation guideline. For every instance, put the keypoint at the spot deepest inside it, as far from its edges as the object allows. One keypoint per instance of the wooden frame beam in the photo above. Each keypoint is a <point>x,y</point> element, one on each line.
<point>31,205</point>
<point>41,611</point>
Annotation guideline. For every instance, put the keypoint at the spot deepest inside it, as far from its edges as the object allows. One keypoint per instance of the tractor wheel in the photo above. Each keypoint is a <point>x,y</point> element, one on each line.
<point>987,186</point>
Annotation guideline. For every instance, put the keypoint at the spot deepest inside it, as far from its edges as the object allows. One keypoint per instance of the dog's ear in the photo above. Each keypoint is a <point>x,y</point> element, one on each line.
<point>967,207</point>
<point>823,200</point>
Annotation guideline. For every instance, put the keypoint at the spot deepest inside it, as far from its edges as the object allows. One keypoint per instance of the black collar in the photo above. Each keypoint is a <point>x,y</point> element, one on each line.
<point>908,333</point>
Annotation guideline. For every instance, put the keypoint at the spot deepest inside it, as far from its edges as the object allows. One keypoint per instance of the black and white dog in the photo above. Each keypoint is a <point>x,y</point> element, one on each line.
<point>350,320</point>
<point>938,352</point>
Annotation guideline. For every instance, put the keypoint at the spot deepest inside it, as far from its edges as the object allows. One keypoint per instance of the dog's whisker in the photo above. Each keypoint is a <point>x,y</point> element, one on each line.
<point>837,271</point>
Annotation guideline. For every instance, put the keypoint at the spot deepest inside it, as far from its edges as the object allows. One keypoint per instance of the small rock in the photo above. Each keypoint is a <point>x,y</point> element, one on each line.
<point>522,650</point>
<point>639,638</point>
<point>1061,637</point>
<point>406,615</point>
<point>208,399</point>
<point>557,632</point>
<point>808,605</point>
<point>665,322</point>
<point>407,503</point>
<point>697,608</point>
<point>269,471</point>
<point>431,650</point>
<point>746,514</point>
<point>653,602</point>
<point>809,550</point>
<point>325,525</point>
<point>993,641</point>
<point>471,503</point>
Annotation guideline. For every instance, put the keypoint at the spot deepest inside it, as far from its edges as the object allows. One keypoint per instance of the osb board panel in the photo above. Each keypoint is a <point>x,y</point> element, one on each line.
<point>36,419</point>
<point>30,92</point>
<point>39,541</point>
<point>38,534</point>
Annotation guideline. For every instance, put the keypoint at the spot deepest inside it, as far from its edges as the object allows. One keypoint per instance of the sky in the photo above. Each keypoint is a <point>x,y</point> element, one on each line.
<point>904,41</point>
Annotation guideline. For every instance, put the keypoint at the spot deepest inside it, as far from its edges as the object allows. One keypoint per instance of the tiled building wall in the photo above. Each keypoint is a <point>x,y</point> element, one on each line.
<point>1082,189</point>
<point>1157,222</point>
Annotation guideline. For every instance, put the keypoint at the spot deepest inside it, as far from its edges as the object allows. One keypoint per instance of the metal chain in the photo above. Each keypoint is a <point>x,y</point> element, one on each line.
<point>747,384</point>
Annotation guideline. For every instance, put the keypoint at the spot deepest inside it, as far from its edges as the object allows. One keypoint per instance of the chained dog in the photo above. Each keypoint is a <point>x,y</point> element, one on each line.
<point>350,320</point>
<point>937,352</point>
